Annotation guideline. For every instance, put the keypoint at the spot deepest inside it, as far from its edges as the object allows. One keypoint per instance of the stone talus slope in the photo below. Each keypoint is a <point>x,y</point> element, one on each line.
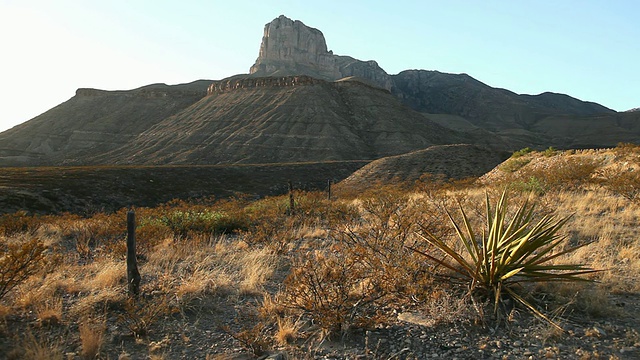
<point>269,120</point>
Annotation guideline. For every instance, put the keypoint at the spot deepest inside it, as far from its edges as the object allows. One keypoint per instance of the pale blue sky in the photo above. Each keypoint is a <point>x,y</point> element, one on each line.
<point>587,49</point>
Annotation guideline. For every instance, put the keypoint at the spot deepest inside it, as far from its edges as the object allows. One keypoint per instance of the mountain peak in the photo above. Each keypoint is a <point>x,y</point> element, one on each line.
<point>289,47</point>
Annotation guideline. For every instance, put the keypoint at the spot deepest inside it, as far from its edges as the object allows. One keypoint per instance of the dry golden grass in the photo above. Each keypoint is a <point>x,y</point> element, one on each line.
<point>91,303</point>
<point>310,232</point>
<point>34,293</point>
<point>612,223</point>
<point>272,307</point>
<point>216,266</point>
<point>91,337</point>
<point>34,348</point>
<point>255,268</point>
<point>109,273</point>
<point>196,265</point>
<point>287,330</point>
<point>202,281</point>
<point>49,312</point>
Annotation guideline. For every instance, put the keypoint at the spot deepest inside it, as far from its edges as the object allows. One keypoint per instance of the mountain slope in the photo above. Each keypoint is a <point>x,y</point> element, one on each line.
<point>291,48</point>
<point>93,121</point>
<point>450,161</point>
<point>273,114</point>
<point>491,108</point>
<point>288,119</point>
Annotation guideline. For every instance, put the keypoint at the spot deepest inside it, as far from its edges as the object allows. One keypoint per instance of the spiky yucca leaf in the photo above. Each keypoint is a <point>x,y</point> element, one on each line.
<point>509,251</point>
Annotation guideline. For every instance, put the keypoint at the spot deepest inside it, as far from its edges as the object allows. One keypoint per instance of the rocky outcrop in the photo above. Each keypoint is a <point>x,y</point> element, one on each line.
<point>291,48</point>
<point>288,45</point>
<point>219,87</point>
<point>368,70</point>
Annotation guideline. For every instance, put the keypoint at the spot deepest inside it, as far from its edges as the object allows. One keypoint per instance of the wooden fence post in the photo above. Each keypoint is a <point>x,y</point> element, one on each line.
<point>133,275</point>
<point>329,189</point>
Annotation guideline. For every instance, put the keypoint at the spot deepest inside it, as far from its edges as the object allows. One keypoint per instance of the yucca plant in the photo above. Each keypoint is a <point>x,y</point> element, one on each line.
<point>508,252</point>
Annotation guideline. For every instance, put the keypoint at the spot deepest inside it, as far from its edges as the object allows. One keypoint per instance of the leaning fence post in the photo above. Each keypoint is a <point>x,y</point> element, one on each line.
<point>329,189</point>
<point>133,275</point>
<point>291,200</point>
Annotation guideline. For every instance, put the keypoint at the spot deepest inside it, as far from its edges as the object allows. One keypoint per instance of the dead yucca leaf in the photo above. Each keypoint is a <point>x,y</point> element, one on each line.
<point>509,251</point>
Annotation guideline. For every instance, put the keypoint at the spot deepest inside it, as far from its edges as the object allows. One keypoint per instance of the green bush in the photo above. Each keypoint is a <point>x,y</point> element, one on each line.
<point>514,164</point>
<point>532,185</point>
<point>550,151</point>
<point>521,152</point>
<point>183,221</point>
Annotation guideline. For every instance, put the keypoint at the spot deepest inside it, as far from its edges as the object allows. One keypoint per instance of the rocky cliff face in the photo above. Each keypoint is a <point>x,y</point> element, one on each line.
<point>287,45</point>
<point>222,86</point>
<point>291,48</point>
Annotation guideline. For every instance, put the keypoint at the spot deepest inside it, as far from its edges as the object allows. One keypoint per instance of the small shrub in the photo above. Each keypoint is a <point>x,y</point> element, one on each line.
<point>532,185</point>
<point>19,222</point>
<point>514,164</point>
<point>334,291</point>
<point>550,151</point>
<point>625,183</point>
<point>376,241</point>
<point>18,261</point>
<point>521,152</point>
<point>255,339</point>
<point>196,219</point>
<point>148,236</point>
